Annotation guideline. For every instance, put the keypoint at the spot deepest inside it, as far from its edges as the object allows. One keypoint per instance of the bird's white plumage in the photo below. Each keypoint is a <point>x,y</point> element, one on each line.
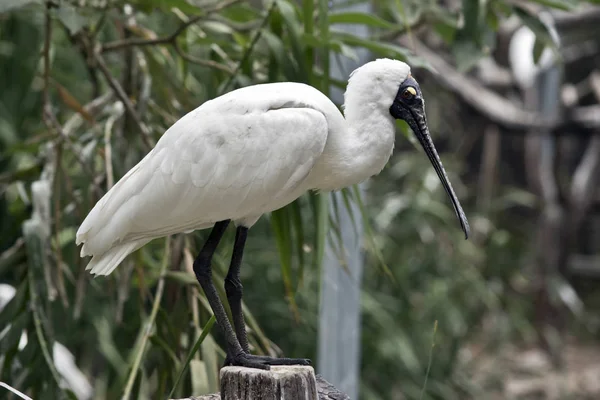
<point>243,154</point>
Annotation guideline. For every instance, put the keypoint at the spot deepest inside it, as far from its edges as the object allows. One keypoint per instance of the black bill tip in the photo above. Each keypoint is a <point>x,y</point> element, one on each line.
<point>422,133</point>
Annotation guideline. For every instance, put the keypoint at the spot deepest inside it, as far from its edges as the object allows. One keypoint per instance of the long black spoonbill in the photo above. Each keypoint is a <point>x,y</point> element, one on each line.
<point>249,152</point>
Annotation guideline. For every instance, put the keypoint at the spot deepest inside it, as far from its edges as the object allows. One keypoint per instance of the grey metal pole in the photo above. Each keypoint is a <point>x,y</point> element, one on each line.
<point>339,308</point>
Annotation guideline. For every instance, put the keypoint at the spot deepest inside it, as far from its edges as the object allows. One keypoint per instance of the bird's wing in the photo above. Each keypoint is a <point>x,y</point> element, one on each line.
<point>209,166</point>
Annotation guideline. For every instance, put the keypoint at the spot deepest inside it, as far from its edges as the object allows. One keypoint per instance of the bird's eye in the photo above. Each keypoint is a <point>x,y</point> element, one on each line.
<point>409,93</point>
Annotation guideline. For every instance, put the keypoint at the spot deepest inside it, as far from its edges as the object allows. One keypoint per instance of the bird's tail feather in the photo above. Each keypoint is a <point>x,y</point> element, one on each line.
<point>104,264</point>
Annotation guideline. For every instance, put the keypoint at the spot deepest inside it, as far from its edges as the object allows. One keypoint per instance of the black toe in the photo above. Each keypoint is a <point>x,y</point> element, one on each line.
<point>262,362</point>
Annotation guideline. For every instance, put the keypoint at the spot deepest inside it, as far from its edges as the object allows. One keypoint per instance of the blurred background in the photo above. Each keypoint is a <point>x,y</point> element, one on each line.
<point>376,283</point>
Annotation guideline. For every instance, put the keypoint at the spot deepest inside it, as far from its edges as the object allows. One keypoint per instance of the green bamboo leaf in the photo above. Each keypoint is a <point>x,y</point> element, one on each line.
<point>65,238</point>
<point>11,339</point>
<point>16,305</point>
<point>472,20</point>
<point>542,35</point>
<point>279,52</point>
<point>344,50</point>
<point>69,16</point>
<point>280,222</point>
<point>359,18</point>
<point>435,325</point>
<point>107,347</point>
<point>298,228</point>
<point>165,5</point>
<point>375,46</point>
<point>370,236</point>
<point>293,29</point>
<point>382,48</point>
<point>340,84</point>
<point>325,48</point>
<point>217,27</point>
<point>308,12</point>
<point>183,277</point>
<point>190,355</point>
<point>466,53</point>
<point>446,25</point>
<point>347,198</point>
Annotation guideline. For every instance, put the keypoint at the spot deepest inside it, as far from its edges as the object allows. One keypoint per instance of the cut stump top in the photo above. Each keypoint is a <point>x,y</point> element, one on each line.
<point>280,382</point>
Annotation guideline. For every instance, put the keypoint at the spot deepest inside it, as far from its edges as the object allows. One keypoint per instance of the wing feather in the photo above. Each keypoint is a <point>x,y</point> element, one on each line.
<point>208,167</point>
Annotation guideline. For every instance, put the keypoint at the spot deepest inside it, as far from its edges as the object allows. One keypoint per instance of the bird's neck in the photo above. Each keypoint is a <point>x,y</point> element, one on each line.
<point>361,149</point>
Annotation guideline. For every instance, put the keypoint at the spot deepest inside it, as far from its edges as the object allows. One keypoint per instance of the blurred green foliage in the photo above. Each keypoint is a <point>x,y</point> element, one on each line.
<point>132,331</point>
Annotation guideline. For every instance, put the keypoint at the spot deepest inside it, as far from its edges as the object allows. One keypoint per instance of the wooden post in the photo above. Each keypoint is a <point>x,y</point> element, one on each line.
<point>293,382</point>
<point>279,383</point>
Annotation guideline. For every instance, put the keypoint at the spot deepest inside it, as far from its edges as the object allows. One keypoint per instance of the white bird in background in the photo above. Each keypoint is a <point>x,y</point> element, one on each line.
<point>521,48</point>
<point>249,152</point>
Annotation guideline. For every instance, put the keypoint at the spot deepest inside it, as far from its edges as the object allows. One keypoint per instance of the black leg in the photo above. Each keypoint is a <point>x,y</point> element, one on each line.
<point>234,288</point>
<point>202,268</point>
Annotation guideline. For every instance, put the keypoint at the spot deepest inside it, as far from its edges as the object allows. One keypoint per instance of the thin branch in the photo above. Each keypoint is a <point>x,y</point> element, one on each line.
<point>129,72</point>
<point>110,178</point>
<point>52,123</point>
<point>120,92</point>
<point>47,111</point>
<point>585,179</point>
<point>93,108</point>
<point>489,167</point>
<point>57,228</point>
<point>120,44</point>
<point>31,228</point>
<point>15,391</point>
<point>48,115</point>
<point>12,251</point>
<point>199,61</point>
<point>494,106</point>
<point>588,15</point>
<point>186,25</point>
<point>489,103</point>
<point>586,116</point>
<point>581,192</point>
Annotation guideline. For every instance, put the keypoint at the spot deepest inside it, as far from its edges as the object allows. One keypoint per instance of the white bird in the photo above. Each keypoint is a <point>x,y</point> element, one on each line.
<point>249,152</point>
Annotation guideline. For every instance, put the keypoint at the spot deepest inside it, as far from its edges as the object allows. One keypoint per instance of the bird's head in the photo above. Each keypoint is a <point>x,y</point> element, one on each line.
<point>388,84</point>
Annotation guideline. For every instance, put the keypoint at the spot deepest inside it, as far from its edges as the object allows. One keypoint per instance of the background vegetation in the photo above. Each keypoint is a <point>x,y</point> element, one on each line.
<point>88,86</point>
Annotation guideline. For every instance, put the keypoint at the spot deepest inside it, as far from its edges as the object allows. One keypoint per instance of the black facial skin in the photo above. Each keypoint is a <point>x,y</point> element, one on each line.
<point>411,108</point>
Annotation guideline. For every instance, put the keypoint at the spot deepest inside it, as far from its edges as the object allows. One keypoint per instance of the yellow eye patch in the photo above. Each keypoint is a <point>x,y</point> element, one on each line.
<point>409,93</point>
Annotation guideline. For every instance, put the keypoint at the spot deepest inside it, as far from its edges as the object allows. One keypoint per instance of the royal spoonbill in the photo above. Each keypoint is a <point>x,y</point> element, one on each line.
<point>249,152</point>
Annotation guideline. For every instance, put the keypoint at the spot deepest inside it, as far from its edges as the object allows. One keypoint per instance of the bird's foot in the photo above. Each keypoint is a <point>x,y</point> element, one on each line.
<point>262,362</point>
